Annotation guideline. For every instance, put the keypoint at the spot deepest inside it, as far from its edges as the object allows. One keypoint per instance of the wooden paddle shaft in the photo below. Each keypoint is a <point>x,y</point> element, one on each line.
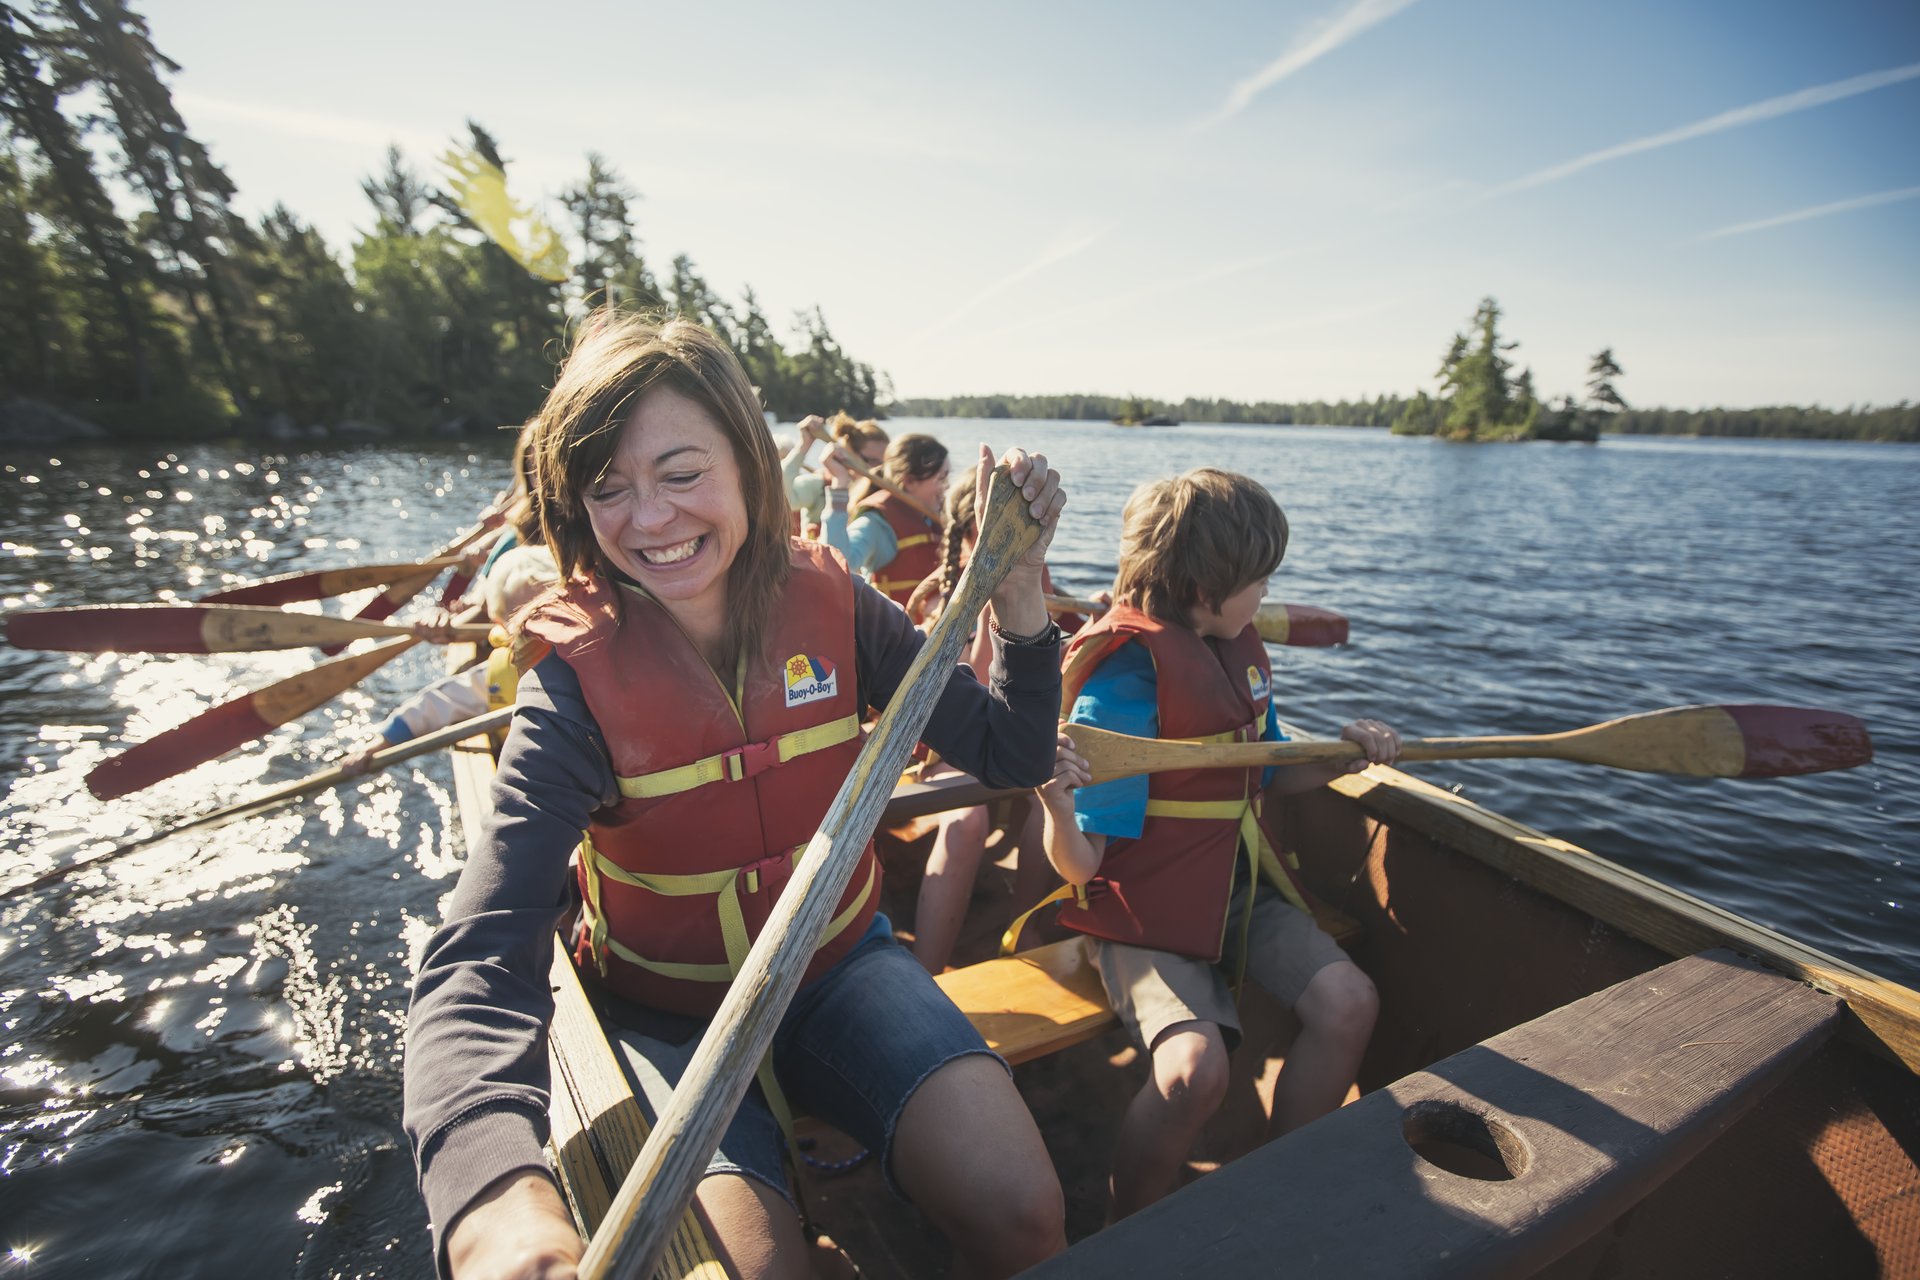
<point>662,1181</point>
<point>1301,625</point>
<point>860,467</point>
<point>269,800</point>
<point>1701,741</point>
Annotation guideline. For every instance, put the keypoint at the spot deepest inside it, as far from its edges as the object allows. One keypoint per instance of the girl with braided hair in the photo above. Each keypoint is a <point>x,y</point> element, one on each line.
<point>960,844</point>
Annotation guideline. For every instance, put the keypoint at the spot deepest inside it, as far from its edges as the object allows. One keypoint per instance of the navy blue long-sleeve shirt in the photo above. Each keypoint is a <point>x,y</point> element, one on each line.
<point>477,1069</point>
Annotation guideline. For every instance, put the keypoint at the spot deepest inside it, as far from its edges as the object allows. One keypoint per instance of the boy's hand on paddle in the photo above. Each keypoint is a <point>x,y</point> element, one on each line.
<point>1376,738</point>
<point>1070,771</point>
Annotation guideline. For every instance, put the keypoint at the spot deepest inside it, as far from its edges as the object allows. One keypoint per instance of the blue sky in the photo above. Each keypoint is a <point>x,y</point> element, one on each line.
<point>1279,200</point>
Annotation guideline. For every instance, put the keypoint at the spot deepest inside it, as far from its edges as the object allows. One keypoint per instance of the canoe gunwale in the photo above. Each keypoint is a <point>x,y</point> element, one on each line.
<point>1885,1016</point>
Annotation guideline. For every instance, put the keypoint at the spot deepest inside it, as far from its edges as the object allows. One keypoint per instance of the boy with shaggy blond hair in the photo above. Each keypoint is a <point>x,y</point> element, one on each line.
<point>1177,886</point>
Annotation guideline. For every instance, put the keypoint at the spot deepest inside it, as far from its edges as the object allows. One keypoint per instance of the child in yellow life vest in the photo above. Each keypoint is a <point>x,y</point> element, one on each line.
<point>1178,887</point>
<point>515,580</point>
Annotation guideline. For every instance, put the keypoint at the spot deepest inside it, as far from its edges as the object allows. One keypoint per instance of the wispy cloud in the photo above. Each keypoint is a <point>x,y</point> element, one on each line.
<point>1754,113</point>
<point>315,126</point>
<point>1312,44</point>
<point>1057,252</point>
<point>1817,211</point>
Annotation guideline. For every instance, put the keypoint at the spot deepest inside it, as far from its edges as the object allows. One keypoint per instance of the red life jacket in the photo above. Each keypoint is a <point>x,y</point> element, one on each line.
<point>717,798</point>
<point>1169,888</point>
<point>916,541</point>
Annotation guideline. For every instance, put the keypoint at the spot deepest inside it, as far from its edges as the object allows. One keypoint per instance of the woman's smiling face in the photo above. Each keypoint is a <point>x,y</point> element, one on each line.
<point>669,512</point>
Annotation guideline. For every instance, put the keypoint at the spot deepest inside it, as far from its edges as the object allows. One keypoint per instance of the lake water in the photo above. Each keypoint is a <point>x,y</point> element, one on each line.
<point>201,1067</point>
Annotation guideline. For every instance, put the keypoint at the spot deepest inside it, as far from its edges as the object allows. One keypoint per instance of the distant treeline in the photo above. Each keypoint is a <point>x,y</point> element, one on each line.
<point>1899,422</point>
<point>1091,408</point>
<point>134,295</point>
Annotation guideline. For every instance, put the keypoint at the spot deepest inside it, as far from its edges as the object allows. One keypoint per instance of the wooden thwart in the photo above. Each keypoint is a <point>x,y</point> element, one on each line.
<point>1049,998</point>
<point>1579,1114</point>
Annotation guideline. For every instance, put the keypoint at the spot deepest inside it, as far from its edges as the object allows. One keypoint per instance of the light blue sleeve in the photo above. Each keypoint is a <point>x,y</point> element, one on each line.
<point>868,544</point>
<point>1120,696</point>
<point>1271,734</point>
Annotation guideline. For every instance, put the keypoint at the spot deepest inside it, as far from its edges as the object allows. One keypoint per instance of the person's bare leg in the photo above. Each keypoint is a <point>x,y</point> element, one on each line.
<point>1188,1083</point>
<point>947,886</point>
<point>1336,1012</point>
<point>966,1150</point>
<point>756,1233</point>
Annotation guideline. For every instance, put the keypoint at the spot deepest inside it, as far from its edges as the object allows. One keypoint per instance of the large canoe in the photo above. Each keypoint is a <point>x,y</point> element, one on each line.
<point>1578,1072</point>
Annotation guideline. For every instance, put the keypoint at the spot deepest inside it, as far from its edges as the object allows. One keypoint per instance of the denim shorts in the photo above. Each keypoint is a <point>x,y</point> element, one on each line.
<point>853,1046</point>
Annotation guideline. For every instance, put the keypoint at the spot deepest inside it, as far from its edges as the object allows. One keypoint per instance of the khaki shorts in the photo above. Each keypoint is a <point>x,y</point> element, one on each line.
<point>1153,990</point>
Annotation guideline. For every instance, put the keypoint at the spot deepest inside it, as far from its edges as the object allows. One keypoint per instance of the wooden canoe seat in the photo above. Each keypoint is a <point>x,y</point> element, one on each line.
<point>1501,1158</point>
<point>1049,998</point>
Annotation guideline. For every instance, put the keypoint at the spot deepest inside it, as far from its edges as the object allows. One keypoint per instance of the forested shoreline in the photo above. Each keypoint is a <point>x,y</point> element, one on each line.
<point>140,302</point>
<point>1896,423</point>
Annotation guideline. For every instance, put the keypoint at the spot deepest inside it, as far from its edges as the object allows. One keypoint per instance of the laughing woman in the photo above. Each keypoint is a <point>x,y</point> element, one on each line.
<point>690,632</point>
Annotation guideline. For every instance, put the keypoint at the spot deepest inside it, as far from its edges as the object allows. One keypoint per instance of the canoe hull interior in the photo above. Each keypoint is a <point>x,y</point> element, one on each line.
<point>1816,1176</point>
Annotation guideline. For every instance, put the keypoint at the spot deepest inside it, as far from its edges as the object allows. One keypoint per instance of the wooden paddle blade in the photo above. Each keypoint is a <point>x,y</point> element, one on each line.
<point>1783,741</point>
<point>234,724</point>
<point>189,628</point>
<point>296,588</point>
<point>1302,625</point>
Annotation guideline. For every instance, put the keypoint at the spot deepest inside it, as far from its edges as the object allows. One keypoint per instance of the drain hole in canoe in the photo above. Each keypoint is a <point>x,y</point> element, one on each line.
<point>1463,1142</point>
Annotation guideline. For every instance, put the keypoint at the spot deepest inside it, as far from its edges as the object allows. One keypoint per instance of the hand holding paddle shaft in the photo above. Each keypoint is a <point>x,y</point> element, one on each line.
<point>661,1183</point>
<point>1301,625</point>
<point>1701,742</point>
<point>194,628</point>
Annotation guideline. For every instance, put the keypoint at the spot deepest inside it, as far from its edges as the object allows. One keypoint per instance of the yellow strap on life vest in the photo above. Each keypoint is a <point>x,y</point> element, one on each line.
<point>911,540</point>
<point>730,766</point>
<point>1011,938</point>
<point>724,887</point>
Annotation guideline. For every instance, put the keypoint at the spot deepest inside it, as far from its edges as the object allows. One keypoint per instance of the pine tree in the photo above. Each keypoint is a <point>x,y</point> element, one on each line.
<point>1600,376</point>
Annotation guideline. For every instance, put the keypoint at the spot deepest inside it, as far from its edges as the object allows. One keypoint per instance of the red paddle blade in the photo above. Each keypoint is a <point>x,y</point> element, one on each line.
<point>1783,741</point>
<point>1309,626</point>
<point>211,733</point>
<point>235,723</point>
<point>316,584</point>
<point>143,628</point>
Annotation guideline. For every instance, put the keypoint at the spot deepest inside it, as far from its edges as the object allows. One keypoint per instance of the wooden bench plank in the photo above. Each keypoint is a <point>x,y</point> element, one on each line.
<point>598,1128</point>
<point>1049,998</point>
<point>1589,1108</point>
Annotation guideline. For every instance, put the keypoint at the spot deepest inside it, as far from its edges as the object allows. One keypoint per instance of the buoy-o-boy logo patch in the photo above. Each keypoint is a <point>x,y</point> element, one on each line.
<point>1256,684</point>
<point>810,679</point>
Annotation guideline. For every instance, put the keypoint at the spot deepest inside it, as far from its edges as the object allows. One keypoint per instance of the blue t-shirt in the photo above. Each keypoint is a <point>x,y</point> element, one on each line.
<point>1122,696</point>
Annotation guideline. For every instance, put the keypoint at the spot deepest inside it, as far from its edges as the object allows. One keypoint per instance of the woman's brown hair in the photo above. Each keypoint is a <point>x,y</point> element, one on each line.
<point>618,360</point>
<point>1195,540</point>
<point>909,457</point>
<point>523,507</point>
